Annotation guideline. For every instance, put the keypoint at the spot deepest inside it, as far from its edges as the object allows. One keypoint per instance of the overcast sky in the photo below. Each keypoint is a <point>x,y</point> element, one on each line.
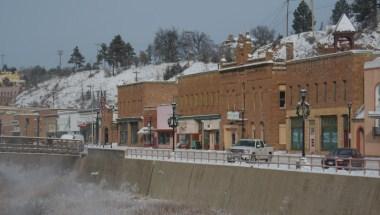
<point>31,31</point>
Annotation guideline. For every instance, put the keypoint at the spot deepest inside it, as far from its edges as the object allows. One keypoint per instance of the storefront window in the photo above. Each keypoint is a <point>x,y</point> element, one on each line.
<point>329,133</point>
<point>134,129</point>
<point>123,133</point>
<point>296,135</point>
<point>164,138</point>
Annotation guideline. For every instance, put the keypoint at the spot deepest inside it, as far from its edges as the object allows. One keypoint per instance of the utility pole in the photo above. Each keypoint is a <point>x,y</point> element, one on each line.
<point>136,73</point>
<point>287,17</point>
<point>2,61</point>
<point>312,16</point>
<point>60,53</point>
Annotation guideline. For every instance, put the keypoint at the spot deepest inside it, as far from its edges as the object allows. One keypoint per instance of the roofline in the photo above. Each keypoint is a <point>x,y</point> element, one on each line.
<point>336,54</point>
<point>198,74</point>
<point>255,64</point>
<point>147,82</point>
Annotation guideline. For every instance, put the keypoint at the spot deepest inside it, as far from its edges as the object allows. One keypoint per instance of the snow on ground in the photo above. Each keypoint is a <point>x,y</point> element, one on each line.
<point>69,89</point>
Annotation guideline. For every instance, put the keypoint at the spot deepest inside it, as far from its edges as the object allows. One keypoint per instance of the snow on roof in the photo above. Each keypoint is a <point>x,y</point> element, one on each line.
<point>344,25</point>
<point>372,64</point>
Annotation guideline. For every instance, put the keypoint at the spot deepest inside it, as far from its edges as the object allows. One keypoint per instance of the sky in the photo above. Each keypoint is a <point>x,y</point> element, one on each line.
<point>32,31</point>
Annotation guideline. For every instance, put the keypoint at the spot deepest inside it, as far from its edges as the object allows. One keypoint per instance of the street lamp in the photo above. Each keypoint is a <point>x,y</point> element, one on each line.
<point>150,130</point>
<point>38,128</point>
<point>349,105</point>
<point>303,110</point>
<point>173,122</point>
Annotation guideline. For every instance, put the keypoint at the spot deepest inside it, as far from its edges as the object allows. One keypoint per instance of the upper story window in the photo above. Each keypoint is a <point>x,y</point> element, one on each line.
<point>377,97</point>
<point>282,96</point>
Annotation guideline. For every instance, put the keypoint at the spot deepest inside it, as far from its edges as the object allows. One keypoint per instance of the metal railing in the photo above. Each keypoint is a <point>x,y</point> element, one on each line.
<point>40,145</point>
<point>311,163</point>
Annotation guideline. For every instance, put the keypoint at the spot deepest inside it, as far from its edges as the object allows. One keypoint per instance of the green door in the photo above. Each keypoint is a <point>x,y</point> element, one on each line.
<point>329,133</point>
<point>297,135</point>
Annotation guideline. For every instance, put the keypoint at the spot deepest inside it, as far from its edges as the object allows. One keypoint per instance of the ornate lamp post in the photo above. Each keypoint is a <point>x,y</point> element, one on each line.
<point>173,122</point>
<point>303,110</point>
<point>150,130</point>
<point>349,105</point>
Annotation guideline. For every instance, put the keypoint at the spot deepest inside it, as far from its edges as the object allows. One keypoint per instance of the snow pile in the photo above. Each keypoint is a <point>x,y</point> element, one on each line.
<point>68,91</point>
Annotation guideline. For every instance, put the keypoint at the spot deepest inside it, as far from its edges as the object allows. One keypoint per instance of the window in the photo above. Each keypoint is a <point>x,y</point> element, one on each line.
<point>164,138</point>
<point>334,83</point>
<point>134,129</point>
<point>296,133</point>
<point>377,98</point>
<point>329,133</point>
<point>282,96</point>
<point>316,93</point>
<point>325,91</point>
<point>282,99</point>
<point>344,90</point>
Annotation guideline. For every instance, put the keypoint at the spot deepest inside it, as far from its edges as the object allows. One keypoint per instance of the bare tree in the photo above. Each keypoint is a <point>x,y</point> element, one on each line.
<point>262,35</point>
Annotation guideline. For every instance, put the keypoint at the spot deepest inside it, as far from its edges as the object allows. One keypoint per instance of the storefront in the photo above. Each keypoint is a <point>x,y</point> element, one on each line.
<point>211,134</point>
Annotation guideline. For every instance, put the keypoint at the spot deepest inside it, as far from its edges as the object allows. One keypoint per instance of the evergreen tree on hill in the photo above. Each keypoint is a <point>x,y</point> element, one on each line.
<point>102,53</point>
<point>119,53</point>
<point>302,21</point>
<point>365,13</point>
<point>263,35</point>
<point>341,7</point>
<point>76,58</point>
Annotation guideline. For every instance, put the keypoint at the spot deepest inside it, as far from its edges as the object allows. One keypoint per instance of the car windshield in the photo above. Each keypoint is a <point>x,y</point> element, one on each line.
<point>342,152</point>
<point>246,143</point>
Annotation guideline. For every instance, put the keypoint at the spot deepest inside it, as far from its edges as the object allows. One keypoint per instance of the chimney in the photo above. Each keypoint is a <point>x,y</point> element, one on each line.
<point>269,55</point>
<point>243,49</point>
<point>289,51</point>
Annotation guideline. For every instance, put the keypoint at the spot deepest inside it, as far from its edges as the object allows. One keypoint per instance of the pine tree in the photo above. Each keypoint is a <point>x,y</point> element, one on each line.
<point>302,21</point>
<point>102,53</point>
<point>120,53</point>
<point>76,58</point>
<point>341,7</point>
<point>365,12</point>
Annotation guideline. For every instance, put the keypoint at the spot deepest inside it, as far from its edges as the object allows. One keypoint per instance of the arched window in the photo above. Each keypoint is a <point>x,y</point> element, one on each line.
<point>377,98</point>
<point>262,135</point>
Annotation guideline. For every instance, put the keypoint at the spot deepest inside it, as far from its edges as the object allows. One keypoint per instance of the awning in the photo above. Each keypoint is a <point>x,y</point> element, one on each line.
<point>145,130</point>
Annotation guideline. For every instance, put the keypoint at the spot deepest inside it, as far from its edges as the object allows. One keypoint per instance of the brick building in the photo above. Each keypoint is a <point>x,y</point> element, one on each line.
<point>132,99</point>
<point>257,98</point>
<point>10,86</point>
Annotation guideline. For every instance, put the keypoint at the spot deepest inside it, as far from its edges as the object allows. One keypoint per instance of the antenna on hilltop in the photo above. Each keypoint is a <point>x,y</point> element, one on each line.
<point>2,61</point>
<point>60,53</point>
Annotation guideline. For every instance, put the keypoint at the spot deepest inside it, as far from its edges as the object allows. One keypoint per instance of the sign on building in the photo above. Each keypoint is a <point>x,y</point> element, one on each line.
<point>233,115</point>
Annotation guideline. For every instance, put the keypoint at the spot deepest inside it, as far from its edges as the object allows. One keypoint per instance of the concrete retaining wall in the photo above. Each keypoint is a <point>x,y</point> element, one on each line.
<point>236,189</point>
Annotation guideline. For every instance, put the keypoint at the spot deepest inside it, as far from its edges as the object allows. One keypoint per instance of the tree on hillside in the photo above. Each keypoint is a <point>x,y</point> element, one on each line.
<point>341,7</point>
<point>262,35</point>
<point>76,58</point>
<point>302,21</point>
<point>166,45</point>
<point>102,55</point>
<point>119,53</point>
<point>365,13</point>
<point>194,45</point>
<point>143,58</point>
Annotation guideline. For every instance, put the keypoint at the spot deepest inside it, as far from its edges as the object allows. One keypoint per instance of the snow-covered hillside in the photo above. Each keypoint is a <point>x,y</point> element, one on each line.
<point>68,91</point>
<point>306,44</point>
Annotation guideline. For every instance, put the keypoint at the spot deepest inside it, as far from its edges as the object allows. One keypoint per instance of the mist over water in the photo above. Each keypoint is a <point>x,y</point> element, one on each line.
<point>46,191</point>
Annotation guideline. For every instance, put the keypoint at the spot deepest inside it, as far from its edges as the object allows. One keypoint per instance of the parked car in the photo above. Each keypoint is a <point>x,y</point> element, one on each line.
<point>72,137</point>
<point>341,158</point>
<point>250,150</point>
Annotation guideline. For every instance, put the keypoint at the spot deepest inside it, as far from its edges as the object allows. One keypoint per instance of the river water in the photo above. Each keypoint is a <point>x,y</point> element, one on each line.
<point>47,191</point>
